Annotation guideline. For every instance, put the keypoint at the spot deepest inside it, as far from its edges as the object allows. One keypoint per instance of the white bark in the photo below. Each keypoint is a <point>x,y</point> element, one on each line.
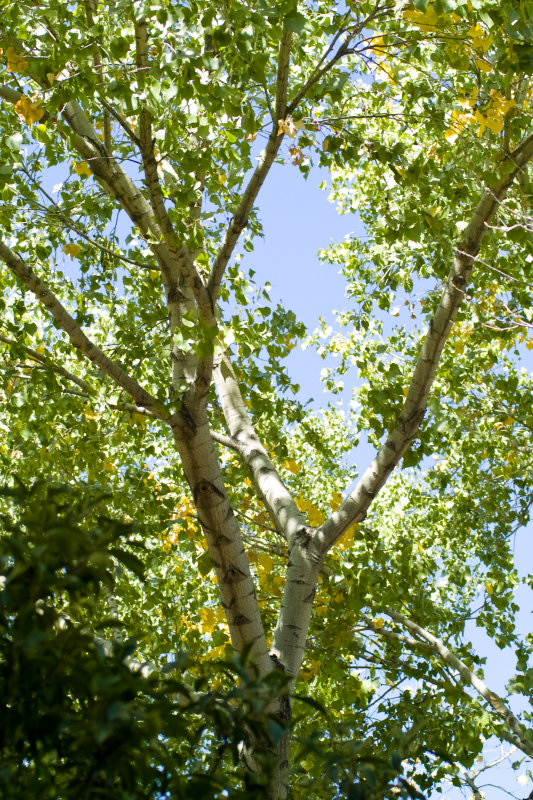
<point>279,502</point>
<point>221,529</point>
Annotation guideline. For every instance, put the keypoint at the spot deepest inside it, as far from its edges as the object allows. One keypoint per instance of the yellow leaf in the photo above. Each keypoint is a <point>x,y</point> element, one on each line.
<point>484,66</point>
<point>72,250</point>
<point>451,135</point>
<point>489,587</point>
<point>15,62</point>
<point>287,126</point>
<point>82,168</point>
<point>378,622</point>
<point>91,415</point>
<point>40,349</point>
<point>425,20</point>
<point>266,562</point>
<point>208,617</point>
<point>315,516</point>
<point>292,466</point>
<point>494,124</point>
<point>482,123</point>
<point>481,40</point>
<point>28,110</point>
<point>420,548</point>
<point>222,179</point>
<point>109,466</point>
<point>250,137</point>
<point>335,501</point>
<point>348,536</point>
<point>297,156</point>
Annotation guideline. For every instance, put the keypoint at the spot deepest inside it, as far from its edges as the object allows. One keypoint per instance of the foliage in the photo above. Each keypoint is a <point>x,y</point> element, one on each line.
<point>140,353</point>
<point>81,715</point>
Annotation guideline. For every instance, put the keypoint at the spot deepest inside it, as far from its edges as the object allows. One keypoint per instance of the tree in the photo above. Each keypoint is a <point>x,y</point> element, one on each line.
<point>139,355</point>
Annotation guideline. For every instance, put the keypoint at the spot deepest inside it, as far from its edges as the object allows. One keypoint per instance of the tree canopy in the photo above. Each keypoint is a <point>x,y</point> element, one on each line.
<point>140,356</point>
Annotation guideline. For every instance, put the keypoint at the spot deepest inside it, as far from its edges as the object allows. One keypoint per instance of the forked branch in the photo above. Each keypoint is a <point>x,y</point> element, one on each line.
<point>354,508</point>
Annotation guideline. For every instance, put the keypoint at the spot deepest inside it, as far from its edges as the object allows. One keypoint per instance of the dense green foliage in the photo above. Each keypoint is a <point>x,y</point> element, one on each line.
<point>81,716</point>
<point>139,356</point>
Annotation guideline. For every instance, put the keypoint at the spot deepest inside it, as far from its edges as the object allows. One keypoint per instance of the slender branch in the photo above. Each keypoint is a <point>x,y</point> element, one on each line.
<point>120,186</point>
<point>175,261</point>
<point>226,441</point>
<point>79,340</point>
<point>122,122</point>
<point>470,678</point>
<point>282,78</point>
<point>398,637</point>
<point>67,221</point>
<point>356,505</point>
<point>240,218</point>
<point>146,140</point>
<point>497,761</point>
<point>278,501</point>
<point>477,795</point>
<point>90,8</point>
<point>9,94</point>
<point>47,362</point>
<point>182,280</point>
<point>342,51</point>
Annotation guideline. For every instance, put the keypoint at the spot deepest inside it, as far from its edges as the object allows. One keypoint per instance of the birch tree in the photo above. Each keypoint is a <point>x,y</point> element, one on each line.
<point>139,354</point>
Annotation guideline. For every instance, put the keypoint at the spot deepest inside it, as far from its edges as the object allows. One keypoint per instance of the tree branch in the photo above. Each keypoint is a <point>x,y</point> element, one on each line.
<point>343,50</point>
<point>278,501</point>
<point>47,362</point>
<point>122,188</point>
<point>225,441</point>
<point>90,8</point>
<point>79,340</point>
<point>187,281</point>
<point>55,208</point>
<point>354,508</point>
<point>240,218</point>
<point>146,140</point>
<point>469,678</point>
<point>398,637</point>
<point>182,280</point>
